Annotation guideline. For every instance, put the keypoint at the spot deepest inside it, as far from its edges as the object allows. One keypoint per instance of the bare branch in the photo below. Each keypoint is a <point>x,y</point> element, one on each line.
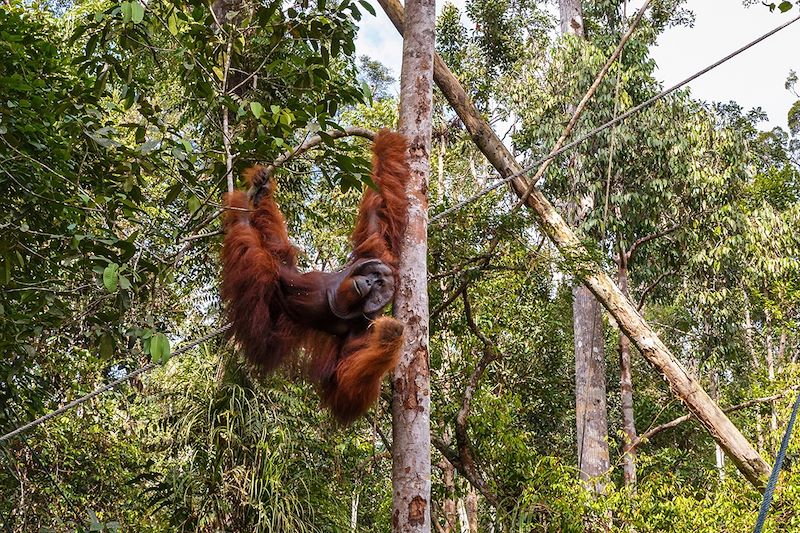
<point>650,287</point>
<point>649,434</point>
<point>648,238</point>
<point>312,142</point>
<point>450,299</point>
<point>471,475</point>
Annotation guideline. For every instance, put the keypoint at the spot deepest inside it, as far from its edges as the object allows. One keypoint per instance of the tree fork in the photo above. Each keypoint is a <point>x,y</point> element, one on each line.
<point>687,389</point>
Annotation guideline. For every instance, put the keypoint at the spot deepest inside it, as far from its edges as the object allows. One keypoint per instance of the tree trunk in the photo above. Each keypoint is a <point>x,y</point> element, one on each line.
<point>591,413</point>
<point>471,507</point>
<point>748,341</point>
<point>440,175</point>
<point>684,386</point>
<point>354,511</point>
<point>449,506</point>
<point>571,17</point>
<point>411,445</point>
<point>590,389</point>
<point>720,456</point>
<point>626,390</point>
<point>770,356</point>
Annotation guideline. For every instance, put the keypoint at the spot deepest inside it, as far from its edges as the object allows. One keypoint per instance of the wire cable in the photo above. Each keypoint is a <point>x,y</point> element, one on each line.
<point>610,123</point>
<point>773,477</point>
<point>109,386</point>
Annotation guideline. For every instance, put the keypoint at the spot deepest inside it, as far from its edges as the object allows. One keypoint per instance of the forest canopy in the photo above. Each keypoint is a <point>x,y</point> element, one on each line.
<point>123,123</point>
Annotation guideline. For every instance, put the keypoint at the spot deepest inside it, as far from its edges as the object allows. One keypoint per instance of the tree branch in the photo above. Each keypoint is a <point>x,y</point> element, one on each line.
<point>310,143</point>
<point>472,476</point>
<point>462,437</point>
<point>650,433</point>
<point>648,238</point>
<point>450,299</point>
<point>649,288</point>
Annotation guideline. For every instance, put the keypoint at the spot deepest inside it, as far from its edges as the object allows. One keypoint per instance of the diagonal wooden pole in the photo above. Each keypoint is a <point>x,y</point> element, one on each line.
<point>686,388</point>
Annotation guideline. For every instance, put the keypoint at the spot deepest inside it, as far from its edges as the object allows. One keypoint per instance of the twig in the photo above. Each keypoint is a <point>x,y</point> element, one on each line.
<point>310,143</point>
<point>650,433</point>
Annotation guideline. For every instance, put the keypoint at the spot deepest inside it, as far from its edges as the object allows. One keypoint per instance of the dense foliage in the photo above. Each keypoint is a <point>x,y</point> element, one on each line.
<point>122,123</point>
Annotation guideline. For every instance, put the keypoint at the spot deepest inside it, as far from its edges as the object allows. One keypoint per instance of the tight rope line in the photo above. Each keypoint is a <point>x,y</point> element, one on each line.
<point>109,386</point>
<point>610,123</point>
<point>773,477</point>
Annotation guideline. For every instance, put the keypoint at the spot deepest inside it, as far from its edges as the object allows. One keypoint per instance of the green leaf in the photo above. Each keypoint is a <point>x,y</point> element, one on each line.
<point>94,524</point>
<point>194,204</point>
<point>106,346</point>
<point>367,6</point>
<point>127,11</point>
<point>137,12</point>
<point>172,193</point>
<point>257,109</point>
<point>159,348</point>
<point>784,6</point>
<point>172,23</point>
<point>124,282</point>
<point>111,277</point>
<point>218,72</point>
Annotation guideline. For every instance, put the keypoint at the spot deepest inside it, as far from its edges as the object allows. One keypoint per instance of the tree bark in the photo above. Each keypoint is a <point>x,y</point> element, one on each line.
<point>591,412</point>
<point>626,389</point>
<point>770,353</point>
<point>449,506</point>
<point>748,341</point>
<point>411,446</point>
<point>590,389</point>
<point>471,508</point>
<point>718,454</point>
<point>571,17</point>
<point>746,459</point>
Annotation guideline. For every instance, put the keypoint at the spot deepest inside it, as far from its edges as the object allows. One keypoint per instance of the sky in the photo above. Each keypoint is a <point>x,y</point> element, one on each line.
<point>754,78</point>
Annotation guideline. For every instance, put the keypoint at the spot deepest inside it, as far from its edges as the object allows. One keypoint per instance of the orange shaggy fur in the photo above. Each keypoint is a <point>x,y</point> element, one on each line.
<point>278,312</point>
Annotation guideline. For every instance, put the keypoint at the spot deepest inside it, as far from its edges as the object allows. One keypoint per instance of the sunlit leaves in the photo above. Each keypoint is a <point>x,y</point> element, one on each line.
<point>132,11</point>
<point>111,277</point>
<point>159,348</point>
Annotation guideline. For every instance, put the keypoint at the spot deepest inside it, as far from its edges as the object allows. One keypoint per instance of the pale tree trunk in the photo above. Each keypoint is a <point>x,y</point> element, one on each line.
<point>571,16</point>
<point>219,11</point>
<point>471,511</point>
<point>354,511</point>
<point>411,444</point>
<point>449,506</point>
<point>440,175</point>
<point>770,355</point>
<point>626,389</point>
<point>748,341</point>
<point>684,386</point>
<point>591,413</point>
<point>719,454</point>
<point>590,389</point>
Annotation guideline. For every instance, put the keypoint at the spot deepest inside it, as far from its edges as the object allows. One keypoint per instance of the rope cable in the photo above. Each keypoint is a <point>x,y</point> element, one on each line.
<point>100,390</point>
<point>776,469</point>
<point>610,123</point>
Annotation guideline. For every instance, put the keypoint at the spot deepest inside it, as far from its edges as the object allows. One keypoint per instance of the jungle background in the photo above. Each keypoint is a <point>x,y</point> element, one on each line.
<point>120,124</point>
